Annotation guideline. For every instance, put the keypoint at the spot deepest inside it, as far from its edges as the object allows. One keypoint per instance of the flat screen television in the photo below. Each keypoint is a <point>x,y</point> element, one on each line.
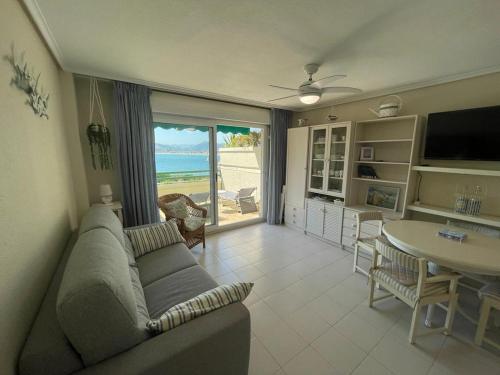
<point>469,134</point>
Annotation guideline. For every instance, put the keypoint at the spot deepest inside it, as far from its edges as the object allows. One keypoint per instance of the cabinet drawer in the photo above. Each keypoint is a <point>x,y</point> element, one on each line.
<point>369,228</point>
<point>348,241</point>
<point>294,215</point>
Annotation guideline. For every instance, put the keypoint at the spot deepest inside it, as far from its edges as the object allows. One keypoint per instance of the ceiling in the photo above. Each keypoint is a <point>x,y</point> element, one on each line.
<point>232,49</point>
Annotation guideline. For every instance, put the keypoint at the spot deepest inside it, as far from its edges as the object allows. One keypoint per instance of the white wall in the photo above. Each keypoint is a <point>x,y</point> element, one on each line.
<point>241,167</point>
<point>38,207</point>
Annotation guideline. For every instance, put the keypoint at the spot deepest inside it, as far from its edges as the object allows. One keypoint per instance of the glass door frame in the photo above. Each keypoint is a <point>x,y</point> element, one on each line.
<point>214,227</point>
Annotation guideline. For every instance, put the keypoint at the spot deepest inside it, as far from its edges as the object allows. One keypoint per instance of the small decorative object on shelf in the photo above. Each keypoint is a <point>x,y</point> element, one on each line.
<point>388,107</point>
<point>453,234</point>
<point>367,154</point>
<point>468,202</point>
<point>98,134</point>
<point>302,122</point>
<point>106,193</point>
<point>27,80</point>
<point>366,171</point>
<point>382,197</point>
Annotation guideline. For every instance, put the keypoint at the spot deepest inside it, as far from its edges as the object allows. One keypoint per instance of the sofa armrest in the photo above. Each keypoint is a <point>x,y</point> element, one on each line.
<point>216,343</point>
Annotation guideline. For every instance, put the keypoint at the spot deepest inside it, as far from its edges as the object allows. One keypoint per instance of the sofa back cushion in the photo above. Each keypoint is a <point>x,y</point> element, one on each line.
<point>96,304</point>
<point>102,217</point>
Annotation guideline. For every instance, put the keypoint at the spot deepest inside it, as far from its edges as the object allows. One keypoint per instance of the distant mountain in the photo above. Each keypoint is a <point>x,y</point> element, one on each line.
<point>200,147</point>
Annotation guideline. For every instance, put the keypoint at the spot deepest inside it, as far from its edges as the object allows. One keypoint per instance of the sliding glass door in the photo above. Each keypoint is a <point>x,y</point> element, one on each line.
<point>240,174</point>
<point>184,165</point>
<point>220,167</point>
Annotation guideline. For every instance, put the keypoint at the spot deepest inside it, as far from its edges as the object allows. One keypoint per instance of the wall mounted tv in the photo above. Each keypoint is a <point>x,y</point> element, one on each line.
<point>469,134</point>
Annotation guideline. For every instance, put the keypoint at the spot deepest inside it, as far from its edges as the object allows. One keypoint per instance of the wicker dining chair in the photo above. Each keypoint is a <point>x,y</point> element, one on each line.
<point>192,237</point>
<point>405,277</point>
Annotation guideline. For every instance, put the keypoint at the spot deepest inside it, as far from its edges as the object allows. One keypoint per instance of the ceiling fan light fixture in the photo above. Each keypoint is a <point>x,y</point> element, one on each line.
<point>310,97</point>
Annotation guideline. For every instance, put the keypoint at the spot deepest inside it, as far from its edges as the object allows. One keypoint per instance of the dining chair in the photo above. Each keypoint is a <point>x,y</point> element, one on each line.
<point>490,296</point>
<point>405,277</point>
<point>366,243</point>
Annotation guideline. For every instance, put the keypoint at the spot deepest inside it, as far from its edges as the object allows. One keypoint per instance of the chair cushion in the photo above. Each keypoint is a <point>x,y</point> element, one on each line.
<point>192,223</point>
<point>176,288</point>
<point>408,291</point>
<point>202,304</point>
<point>177,208</point>
<point>148,238</point>
<point>163,262</point>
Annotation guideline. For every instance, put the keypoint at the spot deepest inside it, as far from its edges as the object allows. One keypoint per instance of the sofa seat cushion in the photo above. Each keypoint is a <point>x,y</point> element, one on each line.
<point>176,288</point>
<point>163,262</point>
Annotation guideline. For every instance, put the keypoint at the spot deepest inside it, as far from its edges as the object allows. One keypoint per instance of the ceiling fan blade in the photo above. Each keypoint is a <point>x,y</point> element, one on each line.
<point>281,87</point>
<point>341,90</point>
<point>285,97</point>
<point>335,77</point>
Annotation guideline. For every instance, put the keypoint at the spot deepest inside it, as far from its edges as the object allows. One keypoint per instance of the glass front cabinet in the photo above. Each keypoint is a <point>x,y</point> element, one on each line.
<point>328,158</point>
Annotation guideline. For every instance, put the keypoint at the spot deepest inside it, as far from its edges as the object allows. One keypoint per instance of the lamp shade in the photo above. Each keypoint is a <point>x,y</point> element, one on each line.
<point>105,190</point>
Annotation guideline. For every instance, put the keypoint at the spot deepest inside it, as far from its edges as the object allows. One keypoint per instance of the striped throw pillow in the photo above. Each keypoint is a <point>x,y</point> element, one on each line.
<point>200,305</point>
<point>149,238</point>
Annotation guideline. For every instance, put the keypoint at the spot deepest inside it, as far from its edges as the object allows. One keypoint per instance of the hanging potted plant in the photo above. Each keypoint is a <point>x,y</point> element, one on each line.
<point>98,134</point>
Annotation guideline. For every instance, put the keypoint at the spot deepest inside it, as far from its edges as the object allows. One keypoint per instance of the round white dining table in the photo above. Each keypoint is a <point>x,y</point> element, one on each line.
<point>477,254</point>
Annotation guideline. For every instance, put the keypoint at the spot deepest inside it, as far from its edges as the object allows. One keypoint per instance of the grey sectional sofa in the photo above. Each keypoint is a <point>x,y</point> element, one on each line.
<point>92,320</point>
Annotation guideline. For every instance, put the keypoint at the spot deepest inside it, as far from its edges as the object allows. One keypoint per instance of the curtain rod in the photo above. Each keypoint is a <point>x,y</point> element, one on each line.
<point>176,93</point>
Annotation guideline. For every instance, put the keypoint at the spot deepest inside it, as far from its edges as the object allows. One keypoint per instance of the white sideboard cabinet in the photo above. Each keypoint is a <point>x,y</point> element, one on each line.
<point>324,220</point>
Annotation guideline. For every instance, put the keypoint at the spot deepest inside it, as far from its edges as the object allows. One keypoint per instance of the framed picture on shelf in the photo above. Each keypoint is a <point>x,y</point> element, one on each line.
<point>381,196</point>
<point>367,153</point>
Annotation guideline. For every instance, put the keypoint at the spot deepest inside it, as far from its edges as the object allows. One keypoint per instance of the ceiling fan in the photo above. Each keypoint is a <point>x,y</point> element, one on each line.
<point>311,90</point>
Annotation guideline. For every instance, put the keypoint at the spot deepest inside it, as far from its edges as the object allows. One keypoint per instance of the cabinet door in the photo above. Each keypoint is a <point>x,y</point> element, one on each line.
<point>338,154</point>
<point>318,157</point>
<point>296,170</point>
<point>333,223</point>
<point>315,218</point>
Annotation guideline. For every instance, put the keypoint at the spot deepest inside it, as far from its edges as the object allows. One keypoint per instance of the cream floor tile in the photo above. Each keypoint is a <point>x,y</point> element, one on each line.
<point>360,332</point>
<point>339,351</point>
<point>400,357</point>
<point>227,278</point>
<point>261,361</point>
<point>249,273</point>
<point>282,342</point>
<point>236,262</point>
<point>371,366</point>
<point>284,303</point>
<point>331,311</point>
<point>307,324</point>
<point>308,362</point>
<point>217,269</point>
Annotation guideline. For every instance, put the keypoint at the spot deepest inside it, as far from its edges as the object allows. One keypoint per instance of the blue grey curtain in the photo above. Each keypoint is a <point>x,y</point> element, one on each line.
<point>280,122</point>
<point>135,143</point>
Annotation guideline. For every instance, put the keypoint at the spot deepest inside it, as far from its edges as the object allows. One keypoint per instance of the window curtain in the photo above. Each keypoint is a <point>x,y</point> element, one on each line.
<point>135,143</point>
<point>280,122</point>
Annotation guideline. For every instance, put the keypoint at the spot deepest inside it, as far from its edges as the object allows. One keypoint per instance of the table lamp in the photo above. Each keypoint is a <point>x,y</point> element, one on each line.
<point>106,194</point>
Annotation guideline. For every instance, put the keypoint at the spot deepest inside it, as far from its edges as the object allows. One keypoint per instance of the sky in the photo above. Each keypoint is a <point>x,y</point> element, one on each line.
<point>184,137</point>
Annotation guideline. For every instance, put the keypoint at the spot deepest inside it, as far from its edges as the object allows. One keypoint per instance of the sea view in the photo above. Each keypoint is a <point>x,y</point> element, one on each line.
<point>181,162</point>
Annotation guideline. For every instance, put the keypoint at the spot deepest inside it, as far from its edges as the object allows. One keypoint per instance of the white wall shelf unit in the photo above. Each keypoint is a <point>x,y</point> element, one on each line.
<point>493,221</point>
<point>396,144</point>
<point>465,171</point>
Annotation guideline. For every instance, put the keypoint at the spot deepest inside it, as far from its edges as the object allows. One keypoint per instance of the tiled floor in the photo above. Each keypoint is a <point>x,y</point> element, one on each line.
<point>310,314</point>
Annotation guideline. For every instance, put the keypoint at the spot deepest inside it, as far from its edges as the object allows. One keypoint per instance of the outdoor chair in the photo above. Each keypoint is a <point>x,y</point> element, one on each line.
<point>243,199</point>
<point>405,277</point>
<point>192,232</point>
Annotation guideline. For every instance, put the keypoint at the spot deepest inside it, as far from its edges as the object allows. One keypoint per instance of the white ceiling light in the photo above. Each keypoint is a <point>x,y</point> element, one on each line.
<point>310,91</point>
<point>309,98</point>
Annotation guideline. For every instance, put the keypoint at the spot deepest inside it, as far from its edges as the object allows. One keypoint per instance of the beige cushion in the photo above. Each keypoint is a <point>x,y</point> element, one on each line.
<point>151,237</point>
<point>192,223</point>
<point>202,304</point>
<point>177,208</point>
